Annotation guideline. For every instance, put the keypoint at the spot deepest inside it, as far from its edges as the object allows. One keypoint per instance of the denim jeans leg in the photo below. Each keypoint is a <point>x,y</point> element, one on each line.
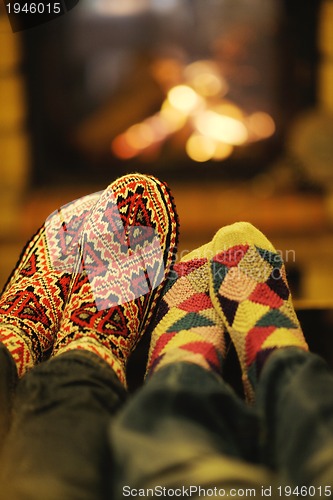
<point>183,427</point>
<point>295,399</point>
<point>57,446</point>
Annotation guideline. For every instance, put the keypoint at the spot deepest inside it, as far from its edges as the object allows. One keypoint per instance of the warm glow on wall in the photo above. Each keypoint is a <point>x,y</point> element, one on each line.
<point>205,78</point>
<point>261,125</point>
<point>218,124</point>
<point>222,151</point>
<point>200,148</point>
<point>173,118</point>
<point>139,136</point>
<point>221,128</point>
<point>183,98</point>
<point>122,149</point>
<point>228,108</point>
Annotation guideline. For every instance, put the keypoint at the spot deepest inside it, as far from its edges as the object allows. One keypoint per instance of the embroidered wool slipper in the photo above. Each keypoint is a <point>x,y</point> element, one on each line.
<point>33,299</point>
<point>249,289</point>
<point>128,247</point>
<point>187,327</point>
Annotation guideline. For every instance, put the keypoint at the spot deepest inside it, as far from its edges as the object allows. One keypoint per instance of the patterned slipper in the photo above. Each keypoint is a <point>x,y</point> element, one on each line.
<point>33,299</point>
<point>127,250</point>
<point>249,289</point>
<point>188,328</point>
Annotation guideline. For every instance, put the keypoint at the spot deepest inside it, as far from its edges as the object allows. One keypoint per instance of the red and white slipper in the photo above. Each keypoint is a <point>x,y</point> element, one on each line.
<point>127,250</point>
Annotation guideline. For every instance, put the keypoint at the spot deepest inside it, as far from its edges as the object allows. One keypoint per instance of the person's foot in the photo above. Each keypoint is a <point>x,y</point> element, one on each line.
<point>127,251</point>
<point>33,299</point>
<point>249,289</point>
<point>188,329</point>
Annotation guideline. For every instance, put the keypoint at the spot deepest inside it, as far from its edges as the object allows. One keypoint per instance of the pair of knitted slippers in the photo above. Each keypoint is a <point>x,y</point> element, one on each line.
<point>92,275</point>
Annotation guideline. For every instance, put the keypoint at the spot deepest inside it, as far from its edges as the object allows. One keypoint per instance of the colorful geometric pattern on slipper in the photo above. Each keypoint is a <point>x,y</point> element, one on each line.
<point>249,288</point>
<point>127,250</point>
<point>34,297</point>
<point>187,326</point>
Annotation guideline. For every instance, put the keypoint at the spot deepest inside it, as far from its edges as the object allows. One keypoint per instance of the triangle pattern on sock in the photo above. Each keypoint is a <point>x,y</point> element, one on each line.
<point>113,320</point>
<point>284,337</point>
<point>132,203</point>
<point>25,305</point>
<point>197,302</point>
<point>263,294</point>
<point>93,264</point>
<point>232,256</point>
<point>108,321</point>
<point>191,320</point>
<point>274,259</point>
<point>143,215</point>
<point>34,311</point>
<point>276,318</point>
<point>247,315</point>
<point>278,286</point>
<point>30,267</point>
<point>229,308</point>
